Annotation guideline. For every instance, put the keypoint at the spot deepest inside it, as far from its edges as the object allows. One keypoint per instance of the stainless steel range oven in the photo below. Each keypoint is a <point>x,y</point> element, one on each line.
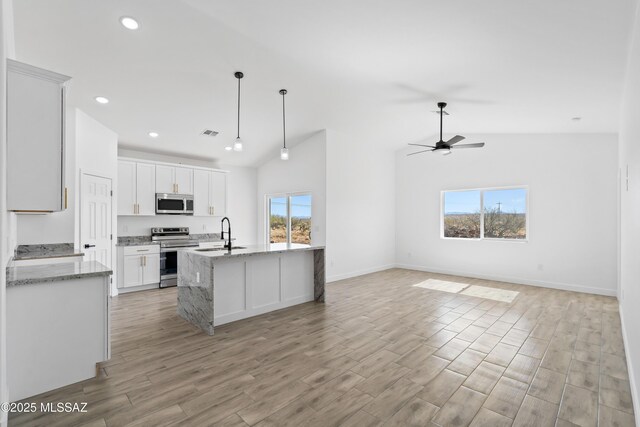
<point>172,240</point>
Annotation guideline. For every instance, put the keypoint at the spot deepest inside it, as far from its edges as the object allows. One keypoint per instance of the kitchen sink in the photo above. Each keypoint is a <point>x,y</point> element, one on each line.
<point>219,249</point>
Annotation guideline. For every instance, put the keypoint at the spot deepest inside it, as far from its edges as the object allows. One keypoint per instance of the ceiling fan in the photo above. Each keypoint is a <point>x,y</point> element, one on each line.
<point>445,147</point>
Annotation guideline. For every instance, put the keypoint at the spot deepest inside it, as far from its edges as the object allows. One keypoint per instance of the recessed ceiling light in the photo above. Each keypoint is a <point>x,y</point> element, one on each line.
<point>129,23</point>
<point>154,134</point>
<point>228,148</point>
<point>101,100</point>
<point>576,119</point>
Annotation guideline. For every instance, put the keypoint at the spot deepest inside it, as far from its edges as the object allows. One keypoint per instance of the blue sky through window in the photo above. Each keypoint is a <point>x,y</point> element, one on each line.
<point>509,200</point>
<point>461,202</point>
<point>300,206</point>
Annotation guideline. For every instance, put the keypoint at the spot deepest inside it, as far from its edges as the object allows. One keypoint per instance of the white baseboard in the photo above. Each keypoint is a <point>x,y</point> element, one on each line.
<point>630,369</point>
<point>337,277</point>
<point>519,281</point>
<point>137,288</point>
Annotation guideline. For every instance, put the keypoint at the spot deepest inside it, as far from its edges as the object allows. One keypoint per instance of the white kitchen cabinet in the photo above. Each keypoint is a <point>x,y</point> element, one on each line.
<point>145,188</point>
<point>184,180</point>
<point>131,272</point>
<point>136,188</point>
<point>126,188</point>
<point>174,179</point>
<point>218,194</point>
<point>209,193</point>
<point>164,179</point>
<point>138,266</point>
<point>151,269</point>
<point>35,139</point>
<point>201,205</point>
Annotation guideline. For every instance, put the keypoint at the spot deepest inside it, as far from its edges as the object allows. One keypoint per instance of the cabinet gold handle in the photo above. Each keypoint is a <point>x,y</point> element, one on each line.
<point>145,260</point>
<point>141,261</point>
<point>66,198</point>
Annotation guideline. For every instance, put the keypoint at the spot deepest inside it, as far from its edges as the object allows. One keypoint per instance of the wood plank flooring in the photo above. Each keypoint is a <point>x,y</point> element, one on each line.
<point>380,352</point>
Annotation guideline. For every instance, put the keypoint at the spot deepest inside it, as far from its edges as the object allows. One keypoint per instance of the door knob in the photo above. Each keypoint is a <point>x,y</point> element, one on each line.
<point>87,246</point>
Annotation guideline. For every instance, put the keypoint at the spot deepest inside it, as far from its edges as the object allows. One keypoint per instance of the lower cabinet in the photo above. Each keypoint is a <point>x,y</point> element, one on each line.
<point>139,266</point>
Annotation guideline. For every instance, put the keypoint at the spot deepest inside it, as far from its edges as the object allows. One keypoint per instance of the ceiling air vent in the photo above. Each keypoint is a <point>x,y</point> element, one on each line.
<point>209,132</point>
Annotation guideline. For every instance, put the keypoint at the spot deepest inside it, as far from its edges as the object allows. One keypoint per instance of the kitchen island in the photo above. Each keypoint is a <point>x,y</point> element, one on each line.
<point>218,286</point>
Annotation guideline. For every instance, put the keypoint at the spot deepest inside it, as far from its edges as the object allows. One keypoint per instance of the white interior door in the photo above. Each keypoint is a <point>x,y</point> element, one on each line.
<point>95,231</point>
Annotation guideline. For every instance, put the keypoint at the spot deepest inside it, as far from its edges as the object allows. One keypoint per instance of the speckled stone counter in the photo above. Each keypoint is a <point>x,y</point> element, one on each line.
<point>26,275</point>
<point>43,251</point>
<point>135,241</point>
<point>146,240</point>
<point>200,274</point>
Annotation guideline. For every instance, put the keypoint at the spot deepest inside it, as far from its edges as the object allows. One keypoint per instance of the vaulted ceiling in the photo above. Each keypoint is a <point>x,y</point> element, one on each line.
<point>373,69</point>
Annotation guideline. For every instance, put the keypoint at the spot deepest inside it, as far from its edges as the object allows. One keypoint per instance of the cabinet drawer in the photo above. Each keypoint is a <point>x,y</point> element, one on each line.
<point>141,250</point>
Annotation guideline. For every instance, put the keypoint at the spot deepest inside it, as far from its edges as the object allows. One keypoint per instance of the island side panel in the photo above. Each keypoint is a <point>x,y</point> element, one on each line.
<point>318,275</point>
<point>195,291</point>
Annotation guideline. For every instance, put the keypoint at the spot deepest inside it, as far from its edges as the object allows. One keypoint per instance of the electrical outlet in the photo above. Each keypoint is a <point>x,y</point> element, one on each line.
<point>540,267</point>
<point>204,227</point>
<point>331,263</point>
<point>125,228</point>
<point>408,254</point>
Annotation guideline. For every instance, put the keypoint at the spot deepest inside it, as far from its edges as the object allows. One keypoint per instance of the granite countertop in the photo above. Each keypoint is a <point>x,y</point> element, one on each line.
<point>146,240</point>
<point>28,274</point>
<point>254,250</point>
<point>44,251</point>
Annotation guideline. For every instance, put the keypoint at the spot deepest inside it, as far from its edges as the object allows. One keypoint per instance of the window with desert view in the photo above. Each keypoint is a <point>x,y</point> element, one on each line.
<point>290,219</point>
<point>489,214</point>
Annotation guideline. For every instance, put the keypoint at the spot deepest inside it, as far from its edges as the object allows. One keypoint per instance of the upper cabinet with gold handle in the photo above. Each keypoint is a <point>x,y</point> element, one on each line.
<point>174,179</point>
<point>35,112</point>
<point>136,188</point>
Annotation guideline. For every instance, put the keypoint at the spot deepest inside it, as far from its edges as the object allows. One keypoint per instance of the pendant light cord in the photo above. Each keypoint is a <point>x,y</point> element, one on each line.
<point>238,107</point>
<point>284,128</point>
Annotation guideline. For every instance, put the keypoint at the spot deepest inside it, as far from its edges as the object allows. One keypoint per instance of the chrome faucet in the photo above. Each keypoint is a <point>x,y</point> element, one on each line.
<point>227,244</point>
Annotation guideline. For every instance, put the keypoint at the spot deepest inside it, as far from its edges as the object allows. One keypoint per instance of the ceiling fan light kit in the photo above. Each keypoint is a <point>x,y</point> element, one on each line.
<point>445,147</point>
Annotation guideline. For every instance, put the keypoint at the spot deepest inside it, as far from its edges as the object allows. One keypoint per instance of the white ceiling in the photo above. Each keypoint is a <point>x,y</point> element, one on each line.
<point>373,69</point>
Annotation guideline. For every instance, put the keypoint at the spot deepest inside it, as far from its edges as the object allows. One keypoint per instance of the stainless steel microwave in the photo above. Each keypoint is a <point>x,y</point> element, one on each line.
<point>174,204</point>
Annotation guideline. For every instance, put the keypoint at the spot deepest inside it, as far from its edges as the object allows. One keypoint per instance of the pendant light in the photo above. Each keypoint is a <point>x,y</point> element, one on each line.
<point>284,151</point>
<point>237,145</point>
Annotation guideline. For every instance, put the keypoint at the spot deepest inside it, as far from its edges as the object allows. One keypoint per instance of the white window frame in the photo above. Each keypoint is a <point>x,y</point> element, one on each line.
<point>288,197</point>
<point>482,191</point>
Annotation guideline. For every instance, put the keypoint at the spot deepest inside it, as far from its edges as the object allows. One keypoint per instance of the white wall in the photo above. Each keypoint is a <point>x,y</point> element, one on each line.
<point>572,182</point>
<point>7,220</point>
<point>629,293</point>
<point>305,171</point>
<point>360,207</point>
<point>97,154</point>
<point>241,203</point>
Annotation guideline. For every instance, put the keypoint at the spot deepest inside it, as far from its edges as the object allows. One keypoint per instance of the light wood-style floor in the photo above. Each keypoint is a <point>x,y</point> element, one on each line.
<point>379,352</point>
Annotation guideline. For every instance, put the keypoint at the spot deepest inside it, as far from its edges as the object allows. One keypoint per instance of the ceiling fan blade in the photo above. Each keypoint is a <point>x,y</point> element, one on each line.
<point>455,140</point>
<point>476,145</point>
<point>418,152</point>
<point>422,145</point>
